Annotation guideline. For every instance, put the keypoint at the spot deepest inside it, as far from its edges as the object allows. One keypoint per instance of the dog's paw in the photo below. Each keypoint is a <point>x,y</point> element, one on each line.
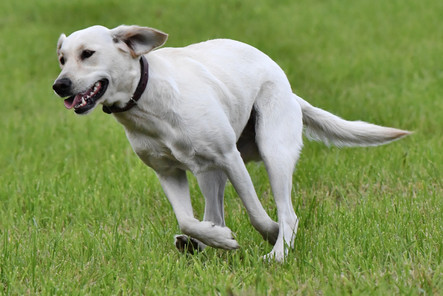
<point>186,244</point>
<point>275,256</point>
<point>217,236</point>
<point>227,241</point>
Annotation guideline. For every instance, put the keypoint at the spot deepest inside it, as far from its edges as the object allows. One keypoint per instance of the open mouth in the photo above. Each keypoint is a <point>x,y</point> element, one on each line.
<point>87,100</point>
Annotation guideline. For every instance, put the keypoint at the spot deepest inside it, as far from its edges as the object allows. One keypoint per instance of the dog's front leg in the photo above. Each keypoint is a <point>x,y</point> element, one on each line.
<point>175,186</point>
<point>212,185</point>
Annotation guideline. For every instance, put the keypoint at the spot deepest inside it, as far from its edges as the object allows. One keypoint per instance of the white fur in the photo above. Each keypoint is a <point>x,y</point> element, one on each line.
<point>194,116</point>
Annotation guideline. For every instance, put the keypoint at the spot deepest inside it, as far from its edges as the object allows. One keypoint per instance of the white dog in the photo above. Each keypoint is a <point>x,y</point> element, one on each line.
<point>207,108</point>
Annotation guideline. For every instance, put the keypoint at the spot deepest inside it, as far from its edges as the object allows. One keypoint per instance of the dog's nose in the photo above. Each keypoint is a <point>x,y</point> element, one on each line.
<point>62,87</point>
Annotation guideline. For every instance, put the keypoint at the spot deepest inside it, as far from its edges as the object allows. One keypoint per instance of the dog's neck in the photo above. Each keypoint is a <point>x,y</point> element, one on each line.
<point>144,69</point>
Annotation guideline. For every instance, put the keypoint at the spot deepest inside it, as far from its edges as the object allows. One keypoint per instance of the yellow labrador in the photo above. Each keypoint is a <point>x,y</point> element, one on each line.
<point>207,108</point>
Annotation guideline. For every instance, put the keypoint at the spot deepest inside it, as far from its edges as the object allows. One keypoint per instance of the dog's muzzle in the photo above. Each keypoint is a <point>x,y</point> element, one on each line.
<point>62,87</point>
<point>83,101</point>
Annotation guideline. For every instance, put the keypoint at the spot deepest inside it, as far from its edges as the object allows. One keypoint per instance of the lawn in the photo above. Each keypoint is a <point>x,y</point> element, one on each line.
<point>80,214</point>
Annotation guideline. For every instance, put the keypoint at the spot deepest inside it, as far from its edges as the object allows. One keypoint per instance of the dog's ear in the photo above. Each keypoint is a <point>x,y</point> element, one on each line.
<point>137,40</point>
<point>60,42</point>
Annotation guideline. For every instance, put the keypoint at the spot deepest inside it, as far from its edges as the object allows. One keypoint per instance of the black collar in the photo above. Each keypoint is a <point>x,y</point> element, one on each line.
<point>144,68</point>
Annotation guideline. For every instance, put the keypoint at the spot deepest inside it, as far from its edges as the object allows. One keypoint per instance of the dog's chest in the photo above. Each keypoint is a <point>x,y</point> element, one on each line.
<point>156,153</point>
<point>158,144</point>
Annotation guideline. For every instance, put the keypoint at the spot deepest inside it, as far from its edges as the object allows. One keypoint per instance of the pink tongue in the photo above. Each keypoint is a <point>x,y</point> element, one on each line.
<point>71,102</point>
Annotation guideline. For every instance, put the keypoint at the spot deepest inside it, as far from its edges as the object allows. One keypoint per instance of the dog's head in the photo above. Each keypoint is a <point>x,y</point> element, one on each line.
<point>100,65</point>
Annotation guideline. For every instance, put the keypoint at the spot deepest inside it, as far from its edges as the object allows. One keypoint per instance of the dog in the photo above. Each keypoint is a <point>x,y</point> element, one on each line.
<point>207,108</point>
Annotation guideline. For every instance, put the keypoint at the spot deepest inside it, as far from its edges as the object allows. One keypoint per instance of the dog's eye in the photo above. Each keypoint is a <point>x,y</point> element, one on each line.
<point>62,60</point>
<point>86,54</point>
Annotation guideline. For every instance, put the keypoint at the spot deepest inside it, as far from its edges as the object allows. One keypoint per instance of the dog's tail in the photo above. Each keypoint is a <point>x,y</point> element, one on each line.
<point>323,126</point>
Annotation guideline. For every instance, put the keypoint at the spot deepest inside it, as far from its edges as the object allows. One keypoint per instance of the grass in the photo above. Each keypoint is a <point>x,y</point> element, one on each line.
<point>80,214</point>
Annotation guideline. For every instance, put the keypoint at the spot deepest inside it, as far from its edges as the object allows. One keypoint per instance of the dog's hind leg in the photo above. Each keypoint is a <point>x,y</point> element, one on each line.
<point>279,140</point>
<point>175,186</point>
<point>238,175</point>
<point>280,177</point>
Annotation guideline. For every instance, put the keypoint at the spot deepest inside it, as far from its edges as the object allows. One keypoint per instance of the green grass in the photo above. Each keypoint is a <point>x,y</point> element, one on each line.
<point>80,214</point>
